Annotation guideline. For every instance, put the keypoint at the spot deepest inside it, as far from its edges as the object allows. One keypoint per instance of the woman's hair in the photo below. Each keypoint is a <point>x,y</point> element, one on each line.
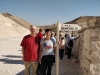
<point>47,30</point>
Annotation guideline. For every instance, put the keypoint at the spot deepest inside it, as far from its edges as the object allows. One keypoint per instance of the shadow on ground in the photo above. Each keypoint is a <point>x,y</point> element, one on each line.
<point>21,73</point>
<point>11,59</point>
<point>12,56</point>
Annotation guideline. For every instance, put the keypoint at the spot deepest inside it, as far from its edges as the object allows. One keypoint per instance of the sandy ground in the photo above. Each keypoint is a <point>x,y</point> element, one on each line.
<point>11,63</point>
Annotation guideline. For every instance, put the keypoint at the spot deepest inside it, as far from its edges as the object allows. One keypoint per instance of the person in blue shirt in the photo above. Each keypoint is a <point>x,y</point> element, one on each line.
<point>68,38</point>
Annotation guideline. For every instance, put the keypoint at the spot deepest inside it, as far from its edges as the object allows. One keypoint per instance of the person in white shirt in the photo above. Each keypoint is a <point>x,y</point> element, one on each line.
<point>61,48</point>
<point>47,47</point>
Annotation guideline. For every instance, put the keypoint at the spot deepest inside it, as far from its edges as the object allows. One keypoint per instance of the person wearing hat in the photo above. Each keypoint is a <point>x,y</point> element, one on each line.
<point>53,36</point>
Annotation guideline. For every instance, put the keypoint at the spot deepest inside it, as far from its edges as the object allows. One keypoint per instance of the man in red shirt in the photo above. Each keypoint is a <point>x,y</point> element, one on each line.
<point>30,51</point>
<point>40,34</point>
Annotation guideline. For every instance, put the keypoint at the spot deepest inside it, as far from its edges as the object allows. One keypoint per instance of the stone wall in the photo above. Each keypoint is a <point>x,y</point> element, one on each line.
<point>89,51</point>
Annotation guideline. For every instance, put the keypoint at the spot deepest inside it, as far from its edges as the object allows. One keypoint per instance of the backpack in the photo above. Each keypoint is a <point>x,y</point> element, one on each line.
<point>70,43</point>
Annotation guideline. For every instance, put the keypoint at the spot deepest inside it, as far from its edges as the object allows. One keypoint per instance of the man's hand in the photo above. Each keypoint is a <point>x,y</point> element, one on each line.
<point>40,60</point>
<point>23,58</point>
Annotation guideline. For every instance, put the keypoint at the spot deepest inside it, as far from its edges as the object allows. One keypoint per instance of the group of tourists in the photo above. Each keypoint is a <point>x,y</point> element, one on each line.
<point>39,49</point>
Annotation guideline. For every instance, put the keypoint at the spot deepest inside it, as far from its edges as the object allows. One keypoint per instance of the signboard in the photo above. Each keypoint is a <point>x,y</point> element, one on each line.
<point>70,27</point>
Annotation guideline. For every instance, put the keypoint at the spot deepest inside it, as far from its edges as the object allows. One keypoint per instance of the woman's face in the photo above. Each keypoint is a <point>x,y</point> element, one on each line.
<point>48,33</point>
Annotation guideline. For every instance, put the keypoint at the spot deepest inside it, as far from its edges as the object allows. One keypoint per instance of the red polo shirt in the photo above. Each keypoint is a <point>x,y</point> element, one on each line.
<point>31,45</point>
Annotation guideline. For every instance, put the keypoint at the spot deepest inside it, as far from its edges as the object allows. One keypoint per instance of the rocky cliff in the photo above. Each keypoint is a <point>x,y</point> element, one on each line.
<point>19,21</point>
<point>9,28</point>
<point>89,54</point>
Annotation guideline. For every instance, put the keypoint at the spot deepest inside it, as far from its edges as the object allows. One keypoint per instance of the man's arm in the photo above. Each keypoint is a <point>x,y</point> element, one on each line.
<point>75,38</point>
<point>23,53</point>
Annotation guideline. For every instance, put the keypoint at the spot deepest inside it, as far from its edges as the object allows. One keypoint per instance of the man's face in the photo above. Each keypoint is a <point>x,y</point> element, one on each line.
<point>48,33</point>
<point>32,29</point>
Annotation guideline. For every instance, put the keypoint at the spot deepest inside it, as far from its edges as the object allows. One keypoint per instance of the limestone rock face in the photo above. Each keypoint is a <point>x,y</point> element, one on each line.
<point>89,51</point>
<point>95,52</point>
<point>9,28</point>
<point>19,21</point>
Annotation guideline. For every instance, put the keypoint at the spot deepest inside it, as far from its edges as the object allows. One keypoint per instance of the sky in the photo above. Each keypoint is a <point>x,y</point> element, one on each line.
<point>47,12</point>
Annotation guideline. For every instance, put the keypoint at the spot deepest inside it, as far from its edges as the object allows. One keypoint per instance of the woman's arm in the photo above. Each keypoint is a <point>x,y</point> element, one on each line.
<point>40,53</point>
